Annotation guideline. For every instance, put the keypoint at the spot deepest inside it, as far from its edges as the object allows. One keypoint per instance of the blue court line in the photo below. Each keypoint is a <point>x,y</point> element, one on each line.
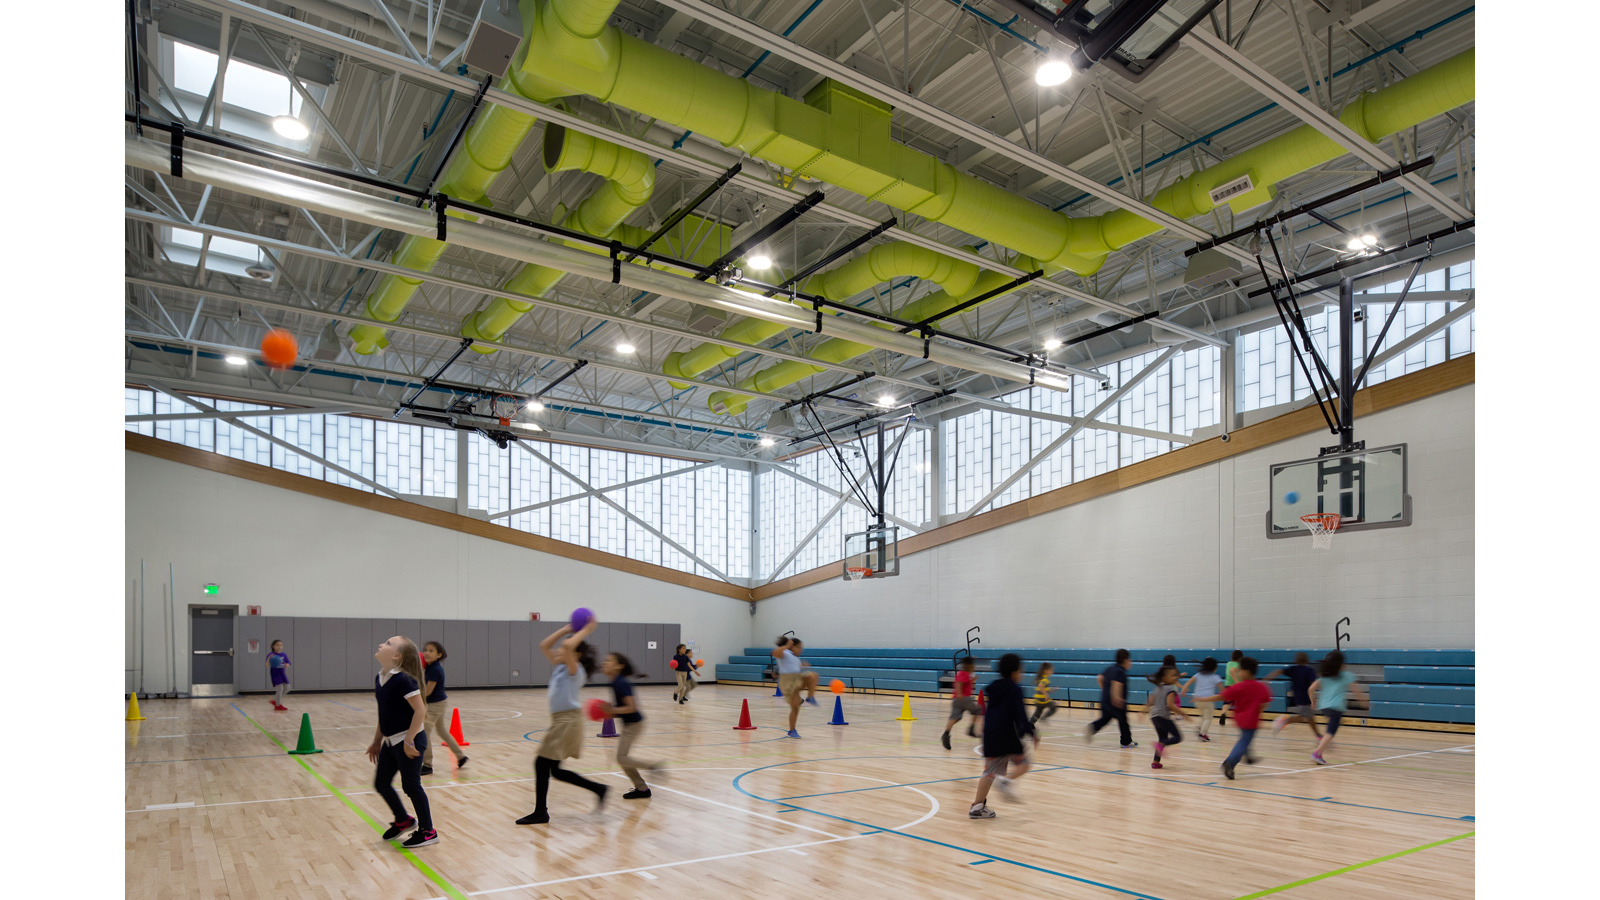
<point>740,788</point>
<point>980,862</point>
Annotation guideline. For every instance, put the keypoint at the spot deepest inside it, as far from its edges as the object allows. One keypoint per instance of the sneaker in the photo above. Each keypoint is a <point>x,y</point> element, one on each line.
<point>1249,760</point>
<point>980,811</point>
<point>1088,734</point>
<point>427,770</point>
<point>461,762</point>
<point>1317,758</point>
<point>600,797</point>
<point>399,827</point>
<point>1227,769</point>
<point>945,740</point>
<point>1278,725</point>
<point>1157,765</point>
<point>537,817</point>
<point>793,734</point>
<point>1007,788</point>
<point>420,838</point>
<point>971,733</point>
<point>1130,745</point>
<point>637,794</point>
<point>675,699</point>
<point>812,701</point>
<point>1204,738</point>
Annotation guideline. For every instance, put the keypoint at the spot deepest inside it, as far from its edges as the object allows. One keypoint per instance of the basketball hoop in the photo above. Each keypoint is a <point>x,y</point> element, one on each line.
<point>504,409</point>
<point>1322,526</point>
<point>857,573</point>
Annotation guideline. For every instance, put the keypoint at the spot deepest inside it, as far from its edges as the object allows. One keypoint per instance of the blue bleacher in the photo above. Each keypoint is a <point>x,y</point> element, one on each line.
<point>1417,685</point>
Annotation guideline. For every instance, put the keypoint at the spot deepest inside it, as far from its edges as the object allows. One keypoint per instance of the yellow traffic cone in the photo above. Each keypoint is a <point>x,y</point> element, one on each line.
<point>133,709</point>
<point>905,710</point>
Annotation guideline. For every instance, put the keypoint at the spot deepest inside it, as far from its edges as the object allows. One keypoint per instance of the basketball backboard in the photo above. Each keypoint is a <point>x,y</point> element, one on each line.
<point>1367,488</point>
<point>876,550</point>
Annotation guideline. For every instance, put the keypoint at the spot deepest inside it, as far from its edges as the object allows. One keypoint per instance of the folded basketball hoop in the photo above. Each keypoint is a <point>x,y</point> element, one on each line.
<point>1322,526</point>
<point>857,573</point>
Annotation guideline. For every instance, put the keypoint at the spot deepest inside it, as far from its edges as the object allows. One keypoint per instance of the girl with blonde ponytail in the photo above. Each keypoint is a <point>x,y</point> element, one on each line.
<point>400,740</point>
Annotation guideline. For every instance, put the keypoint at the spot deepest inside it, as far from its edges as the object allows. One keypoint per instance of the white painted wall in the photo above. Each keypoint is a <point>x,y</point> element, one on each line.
<point>1184,562</point>
<point>298,555</point>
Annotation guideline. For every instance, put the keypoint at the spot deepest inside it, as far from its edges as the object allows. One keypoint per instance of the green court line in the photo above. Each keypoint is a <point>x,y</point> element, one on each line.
<point>450,890</point>
<point>1359,865</point>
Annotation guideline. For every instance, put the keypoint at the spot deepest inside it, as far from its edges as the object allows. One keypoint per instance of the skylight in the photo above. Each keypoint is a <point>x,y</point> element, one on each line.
<point>251,95</point>
<point>225,255</point>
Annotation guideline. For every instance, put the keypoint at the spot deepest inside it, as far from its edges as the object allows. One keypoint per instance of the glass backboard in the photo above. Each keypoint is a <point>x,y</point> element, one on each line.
<point>876,550</point>
<point>1367,488</point>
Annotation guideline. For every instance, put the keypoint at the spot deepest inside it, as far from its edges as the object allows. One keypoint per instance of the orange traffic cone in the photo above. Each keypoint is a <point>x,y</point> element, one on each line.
<point>455,727</point>
<point>744,718</point>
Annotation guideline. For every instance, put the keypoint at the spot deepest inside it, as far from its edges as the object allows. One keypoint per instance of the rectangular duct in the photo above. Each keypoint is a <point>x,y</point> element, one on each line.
<point>705,319</point>
<point>1211,267</point>
<point>494,37</point>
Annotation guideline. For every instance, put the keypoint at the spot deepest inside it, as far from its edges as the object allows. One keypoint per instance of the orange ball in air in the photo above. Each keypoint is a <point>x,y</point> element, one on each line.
<point>699,663</point>
<point>278,349</point>
<point>836,686</point>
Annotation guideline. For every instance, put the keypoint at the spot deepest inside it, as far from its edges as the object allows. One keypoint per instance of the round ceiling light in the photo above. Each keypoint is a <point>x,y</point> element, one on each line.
<point>759,261</point>
<point>1052,71</point>
<point>234,360</point>
<point>767,442</point>
<point>625,347</point>
<point>1355,243</point>
<point>534,406</point>
<point>1370,240</point>
<point>291,128</point>
<point>1052,344</point>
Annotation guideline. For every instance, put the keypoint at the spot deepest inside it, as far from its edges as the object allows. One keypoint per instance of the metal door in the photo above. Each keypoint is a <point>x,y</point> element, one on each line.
<point>211,657</point>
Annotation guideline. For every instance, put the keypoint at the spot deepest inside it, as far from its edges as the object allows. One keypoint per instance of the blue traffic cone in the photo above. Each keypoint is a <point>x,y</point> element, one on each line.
<point>777,691</point>
<point>609,729</point>
<point>838,712</point>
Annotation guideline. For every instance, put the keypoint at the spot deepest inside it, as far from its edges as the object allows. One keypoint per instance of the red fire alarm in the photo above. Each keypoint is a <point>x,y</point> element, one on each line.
<point>252,610</point>
<point>533,617</point>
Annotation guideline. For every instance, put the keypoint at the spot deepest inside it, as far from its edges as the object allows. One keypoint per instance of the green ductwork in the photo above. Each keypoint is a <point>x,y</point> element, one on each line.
<point>838,350</point>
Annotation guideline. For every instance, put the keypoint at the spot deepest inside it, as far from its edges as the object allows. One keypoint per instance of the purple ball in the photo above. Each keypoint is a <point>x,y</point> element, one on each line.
<point>580,617</point>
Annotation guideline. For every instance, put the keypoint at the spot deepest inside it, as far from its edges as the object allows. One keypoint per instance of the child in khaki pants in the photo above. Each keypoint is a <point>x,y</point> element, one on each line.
<point>684,666</point>
<point>438,724</point>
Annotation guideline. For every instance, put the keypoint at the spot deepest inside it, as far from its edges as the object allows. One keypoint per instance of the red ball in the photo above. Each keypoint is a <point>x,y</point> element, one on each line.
<point>278,349</point>
<point>597,709</point>
<point>672,664</point>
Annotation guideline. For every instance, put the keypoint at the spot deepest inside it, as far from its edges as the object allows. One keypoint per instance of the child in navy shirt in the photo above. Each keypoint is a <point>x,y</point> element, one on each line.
<point>631,723</point>
<point>398,744</point>
<point>1004,724</point>
<point>684,666</point>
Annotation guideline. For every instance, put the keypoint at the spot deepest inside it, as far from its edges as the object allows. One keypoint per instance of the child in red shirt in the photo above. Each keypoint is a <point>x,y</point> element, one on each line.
<point>961,701</point>
<point>1248,698</point>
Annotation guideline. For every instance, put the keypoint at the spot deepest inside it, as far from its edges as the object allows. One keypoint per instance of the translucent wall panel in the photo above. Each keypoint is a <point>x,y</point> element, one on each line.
<point>438,462</point>
<point>739,526</point>
<point>305,432</point>
<point>348,442</point>
<point>643,501</point>
<point>1145,405</point>
<point>1265,369</point>
<point>488,475</point>
<point>136,402</point>
<point>569,521</point>
<point>680,514</point>
<point>1094,451</point>
<point>608,529</point>
<point>238,443</point>
<point>398,457</point>
<point>197,433</point>
<point>530,484</point>
<point>1196,381</point>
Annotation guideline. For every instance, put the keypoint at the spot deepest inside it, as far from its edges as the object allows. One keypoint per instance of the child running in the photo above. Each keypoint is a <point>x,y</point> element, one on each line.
<point>564,738</point>
<point>400,739</point>
<point>1300,676</point>
<point>1248,697</point>
<point>1043,705</point>
<point>626,711</point>
<point>1161,707</point>
<point>438,710</point>
<point>1230,681</point>
<point>1003,727</point>
<point>1330,695</point>
<point>278,665</point>
<point>1205,684</point>
<point>961,701</point>
<point>791,678</point>
<point>684,666</point>
<point>1114,701</point>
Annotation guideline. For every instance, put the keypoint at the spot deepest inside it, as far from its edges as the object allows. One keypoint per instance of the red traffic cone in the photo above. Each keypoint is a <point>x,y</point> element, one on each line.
<point>609,729</point>
<point>744,718</point>
<point>455,727</point>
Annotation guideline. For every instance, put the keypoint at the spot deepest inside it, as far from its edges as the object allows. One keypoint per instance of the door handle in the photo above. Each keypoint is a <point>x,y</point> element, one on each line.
<point>228,652</point>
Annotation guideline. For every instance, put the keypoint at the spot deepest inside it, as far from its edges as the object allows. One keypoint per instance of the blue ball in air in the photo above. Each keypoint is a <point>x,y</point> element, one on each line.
<point>1292,497</point>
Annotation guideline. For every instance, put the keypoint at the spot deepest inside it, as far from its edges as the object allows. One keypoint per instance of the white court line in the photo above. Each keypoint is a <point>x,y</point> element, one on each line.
<point>932,811</point>
<point>657,787</point>
<point>798,852</point>
<point>161,806</point>
<point>647,875</point>
<point>1358,762</point>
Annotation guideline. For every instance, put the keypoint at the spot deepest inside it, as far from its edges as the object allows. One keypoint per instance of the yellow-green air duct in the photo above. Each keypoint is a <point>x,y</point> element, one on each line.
<point>837,350</point>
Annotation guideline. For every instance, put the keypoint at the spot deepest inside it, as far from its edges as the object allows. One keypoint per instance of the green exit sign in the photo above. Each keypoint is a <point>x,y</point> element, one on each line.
<point>213,589</point>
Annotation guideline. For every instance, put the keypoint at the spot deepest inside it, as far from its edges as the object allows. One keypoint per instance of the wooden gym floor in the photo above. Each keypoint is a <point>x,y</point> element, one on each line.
<point>215,808</point>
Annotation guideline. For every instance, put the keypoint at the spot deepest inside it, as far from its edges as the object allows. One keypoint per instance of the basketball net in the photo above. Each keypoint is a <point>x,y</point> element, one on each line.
<point>857,573</point>
<point>1322,526</point>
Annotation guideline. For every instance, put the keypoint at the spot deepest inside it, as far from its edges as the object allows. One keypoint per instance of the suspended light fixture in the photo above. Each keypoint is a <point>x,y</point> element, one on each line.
<point>289,125</point>
<point>1052,343</point>
<point>1355,243</point>
<point>885,400</point>
<point>624,347</point>
<point>767,442</point>
<point>534,406</point>
<point>1052,71</point>
<point>1371,240</point>
<point>234,360</point>
<point>760,261</point>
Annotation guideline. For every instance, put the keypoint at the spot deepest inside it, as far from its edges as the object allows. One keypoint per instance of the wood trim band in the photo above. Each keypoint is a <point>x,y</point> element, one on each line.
<point>1438,379</point>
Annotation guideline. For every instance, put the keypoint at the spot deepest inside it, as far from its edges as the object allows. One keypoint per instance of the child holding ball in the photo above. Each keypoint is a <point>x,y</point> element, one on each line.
<point>278,665</point>
<point>684,667</point>
<point>569,650</point>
